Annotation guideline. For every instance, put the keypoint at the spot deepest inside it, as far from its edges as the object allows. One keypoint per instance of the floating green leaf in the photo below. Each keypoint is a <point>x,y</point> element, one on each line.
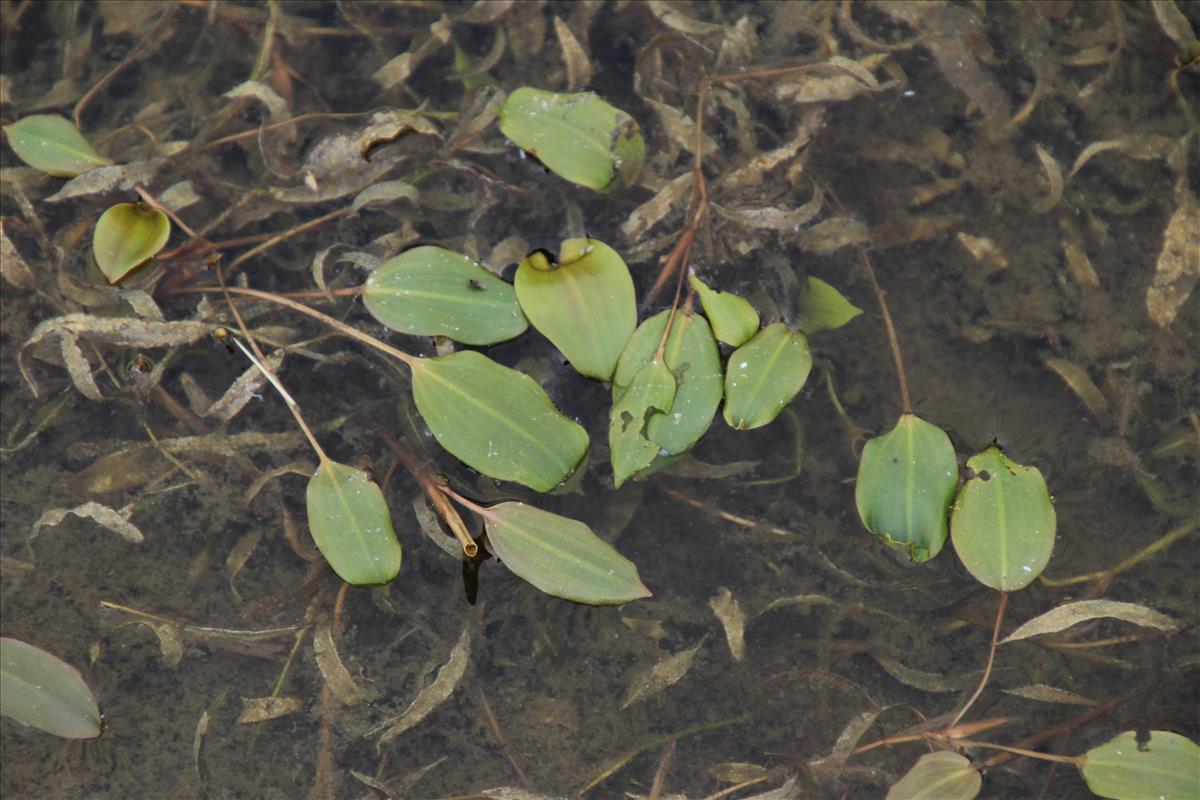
<point>1168,768</point>
<point>906,479</point>
<point>585,305</point>
<point>1003,522</point>
<point>53,145</point>
<point>428,291</point>
<point>733,319</point>
<point>651,391</point>
<point>43,691</point>
<point>938,776</point>
<point>350,523</point>
<point>127,236</point>
<point>764,374</point>
<point>561,556</point>
<point>691,355</point>
<point>579,137</point>
<point>823,308</point>
<point>497,420</point>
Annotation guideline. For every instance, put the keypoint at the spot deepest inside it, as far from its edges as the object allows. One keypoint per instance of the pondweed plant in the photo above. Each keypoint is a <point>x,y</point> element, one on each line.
<point>667,378</point>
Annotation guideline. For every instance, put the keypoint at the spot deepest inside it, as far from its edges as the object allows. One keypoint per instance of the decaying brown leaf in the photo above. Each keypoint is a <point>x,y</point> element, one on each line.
<point>1081,384</point>
<point>773,218</point>
<point>261,709</point>
<point>676,20</point>
<point>1142,148</point>
<point>1079,265</point>
<point>102,180</point>
<point>485,12</point>
<point>688,466</point>
<point>680,128</point>
<point>925,681</point>
<point>654,210</point>
<point>1054,180</point>
<point>836,80</point>
<point>427,521</point>
<point>433,695</point>
<point>1068,614</point>
<point>304,468</point>
<point>665,673</point>
<point>247,387</point>
<point>1049,694</point>
<point>336,676</point>
<point>729,612</point>
<point>397,70</point>
<point>753,172</point>
<point>239,555</point>
<point>830,235</point>
<point>475,119</point>
<point>579,66</point>
<point>737,772</point>
<point>385,192</point>
<point>12,266</point>
<point>172,633</point>
<point>116,521</point>
<point>984,251</point>
<point>1178,267</point>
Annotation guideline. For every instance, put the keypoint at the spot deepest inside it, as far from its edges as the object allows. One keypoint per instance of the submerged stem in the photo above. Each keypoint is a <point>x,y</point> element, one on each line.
<point>991,657</point>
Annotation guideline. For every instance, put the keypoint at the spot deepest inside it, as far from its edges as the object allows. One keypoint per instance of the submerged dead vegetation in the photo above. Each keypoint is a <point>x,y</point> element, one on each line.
<point>1023,178</point>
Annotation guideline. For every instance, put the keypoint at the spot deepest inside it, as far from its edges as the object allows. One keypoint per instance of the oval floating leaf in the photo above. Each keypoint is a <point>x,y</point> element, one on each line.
<point>1169,767</point>
<point>585,305</point>
<point>938,776</point>
<point>733,319</point>
<point>822,307</point>
<point>691,355</point>
<point>1064,616</point>
<point>764,374</point>
<point>578,137</point>
<point>651,392</point>
<point>497,420</point>
<point>43,691</point>
<point>906,479</point>
<point>350,523</point>
<point>1003,522</point>
<point>127,236</point>
<point>428,291</point>
<point>53,145</point>
<point>561,556</point>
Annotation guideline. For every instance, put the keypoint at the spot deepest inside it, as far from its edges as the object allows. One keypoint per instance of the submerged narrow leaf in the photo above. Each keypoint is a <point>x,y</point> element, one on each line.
<point>821,307</point>
<point>127,236</point>
<point>733,319</point>
<point>691,355</point>
<point>1168,767</point>
<point>497,420</point>
<point>1062,617</point>
<point>764,374</point>
<point>350,523</point>
<point>561,556</point>
<point>1003,522</point>
<point>651,391</point>
<point>43,691</point>
<point>585,305</point>
<point>578,137</point>
<point>906,479</point>
<point>429,291</point>
<point>52,145</point>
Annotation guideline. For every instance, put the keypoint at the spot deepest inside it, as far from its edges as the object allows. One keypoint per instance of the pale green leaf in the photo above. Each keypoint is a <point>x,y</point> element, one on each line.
<point>428,291</point>
<point>938,776</point>
<point>497,420</point>
<point>764,375</point>
<point>1168,768</point>
<point>906,479</point>
<point>578,137</point>
<point>821,307</point>
<point>561,556</point>
<point>127,236</point>
<point>732,317</point>
<point>52,145</point>
<point>1003,522</point>
<point>43,691</point>
<point>350,523</point>
<point>652,390</point>
<point>585,305</point>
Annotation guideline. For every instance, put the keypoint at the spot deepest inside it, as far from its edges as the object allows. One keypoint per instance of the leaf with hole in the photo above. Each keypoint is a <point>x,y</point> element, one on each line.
<point>53,145</point>
<point>497,420</point>
<point>578,137</point>
<point>1003,522</point>
<point>764,375</point>
<point>690,353</point>
<point>938,776</point>
<point>732,317</point>
<point>127,236</point>
<point>1168,768</point>
<point>46,692</point>
<point>652,391</point>
<point>428,291</point>
<point>906,480</point>
<point>350,523</point>
<point>561,556</point>
<point>821,307</point>
<point>585,304</point>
